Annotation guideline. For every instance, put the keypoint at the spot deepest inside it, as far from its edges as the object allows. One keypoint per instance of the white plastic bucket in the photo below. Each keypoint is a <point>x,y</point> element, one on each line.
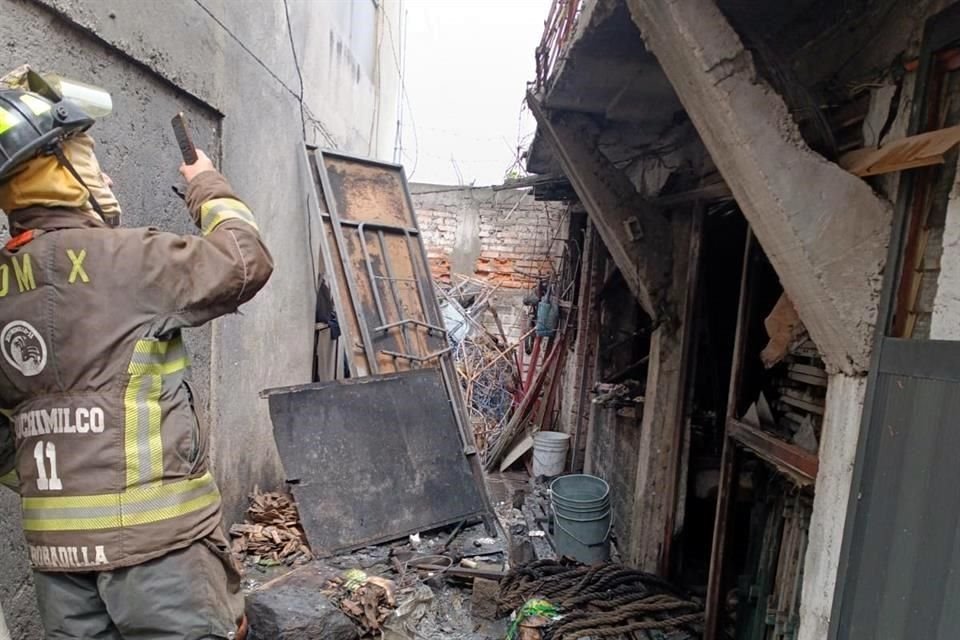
<point>550,453</point>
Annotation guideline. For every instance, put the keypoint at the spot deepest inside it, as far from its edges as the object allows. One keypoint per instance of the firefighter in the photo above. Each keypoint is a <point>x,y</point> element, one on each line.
<point>121,515</point>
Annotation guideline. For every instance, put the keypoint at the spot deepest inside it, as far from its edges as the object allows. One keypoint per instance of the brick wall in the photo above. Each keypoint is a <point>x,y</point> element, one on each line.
<point>504,237</point>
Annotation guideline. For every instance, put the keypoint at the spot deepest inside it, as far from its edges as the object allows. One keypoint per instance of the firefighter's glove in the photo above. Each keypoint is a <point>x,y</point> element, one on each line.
<point>190,171</point>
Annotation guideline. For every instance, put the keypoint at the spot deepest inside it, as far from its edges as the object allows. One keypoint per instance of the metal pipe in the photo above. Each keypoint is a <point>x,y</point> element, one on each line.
<point>370,274</point>
<point>431,328</point>
<point>369,352</point>
<point>408,356</point>
<point>380,226</point>
<point>393,287</point>
<point>534,356</point>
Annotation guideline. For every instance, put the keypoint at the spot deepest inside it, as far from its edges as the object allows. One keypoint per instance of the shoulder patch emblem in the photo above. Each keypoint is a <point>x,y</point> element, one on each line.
<point>23,347</point>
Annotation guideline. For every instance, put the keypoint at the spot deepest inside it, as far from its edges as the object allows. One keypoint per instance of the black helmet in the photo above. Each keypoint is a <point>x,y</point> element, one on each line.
<point>32,125</point>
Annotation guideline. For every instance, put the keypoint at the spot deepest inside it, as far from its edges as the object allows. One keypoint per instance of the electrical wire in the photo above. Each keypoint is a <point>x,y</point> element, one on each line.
<point>406,98</point>
<point>303,129</point>
<point>246,48</point>
<point>306,115</point>
<point>296,63</point>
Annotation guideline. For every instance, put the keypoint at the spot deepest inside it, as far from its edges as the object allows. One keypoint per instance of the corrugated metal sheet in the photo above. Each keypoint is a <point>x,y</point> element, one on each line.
<point>903,580</point>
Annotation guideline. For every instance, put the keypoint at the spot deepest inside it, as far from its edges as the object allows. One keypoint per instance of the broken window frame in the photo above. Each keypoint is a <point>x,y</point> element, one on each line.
<point>940,57</point>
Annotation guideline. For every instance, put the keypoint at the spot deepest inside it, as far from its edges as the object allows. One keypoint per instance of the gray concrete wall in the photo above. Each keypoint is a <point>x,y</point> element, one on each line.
<point>231,67</point>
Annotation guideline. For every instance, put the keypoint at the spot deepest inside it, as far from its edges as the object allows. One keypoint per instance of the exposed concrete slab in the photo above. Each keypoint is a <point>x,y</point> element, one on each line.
<point>604,70</point>
<point>838,451</point>
<point>823,229</point>
<point>637,236</point>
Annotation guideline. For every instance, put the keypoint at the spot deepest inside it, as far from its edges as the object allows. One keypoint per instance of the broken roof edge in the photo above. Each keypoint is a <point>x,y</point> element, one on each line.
<point>592,14</point>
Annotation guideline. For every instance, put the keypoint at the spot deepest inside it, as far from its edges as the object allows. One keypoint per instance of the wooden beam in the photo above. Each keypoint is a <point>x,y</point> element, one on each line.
<point>728,463</point>
<point>637,235</point>
<point>678,469</point>
<point>661,431</point>
<point>921,150</point>
<point>799,464</point>
<point>585,354</point>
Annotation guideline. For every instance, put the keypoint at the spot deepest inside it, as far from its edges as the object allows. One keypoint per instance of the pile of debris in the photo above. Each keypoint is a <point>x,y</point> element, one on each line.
<point>486,361</point>
<point>455,585</point>
<point>271,534</point>
<point>511,388</point>
<point>430,586</point>
<point>626,394</point>
<point>367,600</point>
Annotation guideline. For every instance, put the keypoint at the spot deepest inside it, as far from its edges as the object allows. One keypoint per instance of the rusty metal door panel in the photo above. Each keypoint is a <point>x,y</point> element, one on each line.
<point>373,458</point>
<point>381,269</point>
<point>368,192</point>
<point>903,574</point>
<point>376,265</point>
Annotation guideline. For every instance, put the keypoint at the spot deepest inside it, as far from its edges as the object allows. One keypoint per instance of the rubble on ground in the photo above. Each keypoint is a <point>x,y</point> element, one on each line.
<point>271,534</point>
<point>457,584</point>
<point>292,608</point>
<point>394,592</point>
<point>605,600</point>
<point>368,600</point>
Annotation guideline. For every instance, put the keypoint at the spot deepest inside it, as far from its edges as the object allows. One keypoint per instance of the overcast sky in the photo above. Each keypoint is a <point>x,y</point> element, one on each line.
<point>468,62</point>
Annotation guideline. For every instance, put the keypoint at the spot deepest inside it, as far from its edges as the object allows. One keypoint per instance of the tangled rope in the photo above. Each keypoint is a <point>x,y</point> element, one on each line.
<point>601,601</point>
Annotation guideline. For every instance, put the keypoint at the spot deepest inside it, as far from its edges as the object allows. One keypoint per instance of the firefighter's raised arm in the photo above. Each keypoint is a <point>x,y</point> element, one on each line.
<point>199,278</point>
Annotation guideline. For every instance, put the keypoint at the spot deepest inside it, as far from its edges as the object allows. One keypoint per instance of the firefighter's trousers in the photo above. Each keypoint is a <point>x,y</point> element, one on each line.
<point>188,594</point>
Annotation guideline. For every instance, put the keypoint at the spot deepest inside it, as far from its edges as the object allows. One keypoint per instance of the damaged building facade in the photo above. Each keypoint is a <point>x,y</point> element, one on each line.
<point>765,359</point>
<point>256,80</point>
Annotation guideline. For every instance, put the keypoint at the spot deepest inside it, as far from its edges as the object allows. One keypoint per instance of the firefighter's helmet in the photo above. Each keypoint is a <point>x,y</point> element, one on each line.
<point>31,125</point>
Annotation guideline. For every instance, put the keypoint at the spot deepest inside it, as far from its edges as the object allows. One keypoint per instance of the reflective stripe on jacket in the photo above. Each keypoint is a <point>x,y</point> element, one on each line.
<point>110,460</point>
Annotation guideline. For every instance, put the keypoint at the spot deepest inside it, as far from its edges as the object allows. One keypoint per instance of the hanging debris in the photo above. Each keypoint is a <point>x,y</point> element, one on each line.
<point>627,393</point>
<point>271,534</point>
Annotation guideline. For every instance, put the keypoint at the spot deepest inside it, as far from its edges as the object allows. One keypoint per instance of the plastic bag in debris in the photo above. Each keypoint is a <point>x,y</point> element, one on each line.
<point>535,609</point>
<point>354,579</point>
<point>402,625</point>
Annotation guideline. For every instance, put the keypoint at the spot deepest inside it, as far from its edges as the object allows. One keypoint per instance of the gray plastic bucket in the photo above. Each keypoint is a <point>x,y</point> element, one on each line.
<point>550,453</point>
<point>582,518</point>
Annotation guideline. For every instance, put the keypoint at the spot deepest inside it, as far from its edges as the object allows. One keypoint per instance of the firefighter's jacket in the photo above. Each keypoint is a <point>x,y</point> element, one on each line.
<point>110,460</point>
